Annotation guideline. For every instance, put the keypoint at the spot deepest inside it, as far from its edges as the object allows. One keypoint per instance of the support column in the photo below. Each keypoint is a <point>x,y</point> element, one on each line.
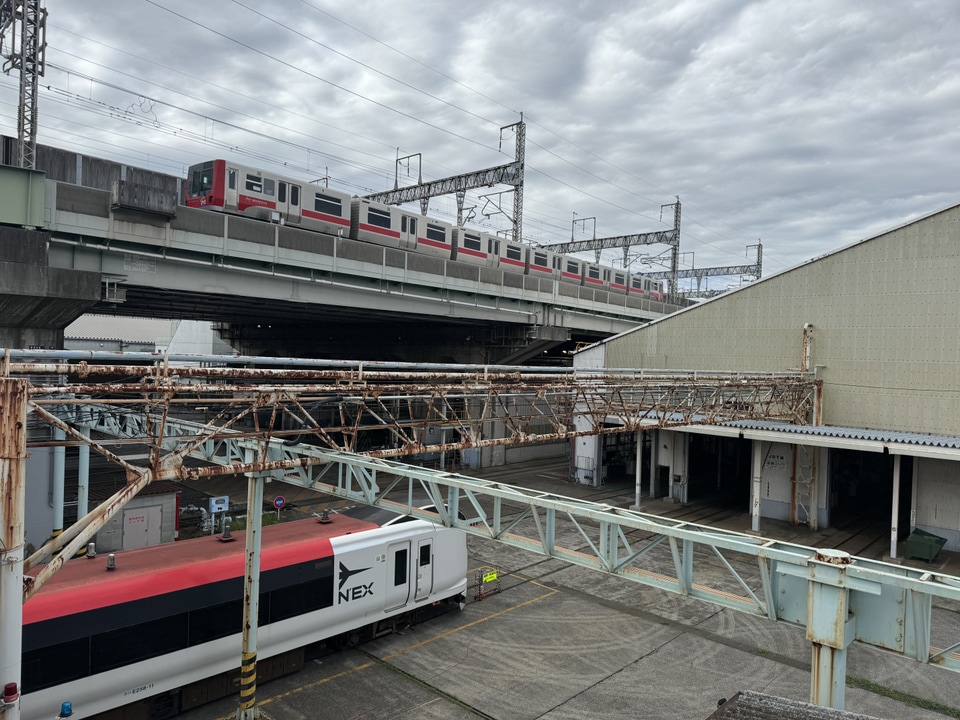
<point>59,457</point>
<point>638,472</point>
<point>830,627</point>
<point>756,487</point>
<point>248,709</point>
<point>895,508</point>
<point>654,461</point>
<point>83,475</point>
<point>13,464</point>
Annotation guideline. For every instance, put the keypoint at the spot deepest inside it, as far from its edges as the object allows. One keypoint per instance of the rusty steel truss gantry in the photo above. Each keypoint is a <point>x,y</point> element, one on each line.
<point>333,426</point>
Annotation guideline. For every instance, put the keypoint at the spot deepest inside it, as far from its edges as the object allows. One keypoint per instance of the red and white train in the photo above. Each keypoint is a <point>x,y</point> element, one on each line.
<point>225,186</point>
<point>162,631</point>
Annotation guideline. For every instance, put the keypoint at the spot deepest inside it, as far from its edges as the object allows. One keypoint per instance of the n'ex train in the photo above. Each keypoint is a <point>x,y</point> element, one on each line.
<point>161,633</point>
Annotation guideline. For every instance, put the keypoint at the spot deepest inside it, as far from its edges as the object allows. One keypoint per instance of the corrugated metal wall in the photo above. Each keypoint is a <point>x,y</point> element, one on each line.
<point>886,317</point>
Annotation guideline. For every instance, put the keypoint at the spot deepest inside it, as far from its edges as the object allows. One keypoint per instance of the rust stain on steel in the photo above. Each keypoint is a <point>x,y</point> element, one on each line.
<point>13,455</point>
<point>834,557</point>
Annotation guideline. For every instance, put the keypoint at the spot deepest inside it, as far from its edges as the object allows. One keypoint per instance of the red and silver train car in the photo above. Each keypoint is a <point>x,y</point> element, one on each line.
<point>642,286</point>
<point>229,187</point>
<point>163,629</point>
<point>233,188</point>
<point>393,226</point>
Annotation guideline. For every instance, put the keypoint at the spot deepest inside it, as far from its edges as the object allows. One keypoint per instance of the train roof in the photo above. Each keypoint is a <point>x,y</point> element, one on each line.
<point>85,583</point>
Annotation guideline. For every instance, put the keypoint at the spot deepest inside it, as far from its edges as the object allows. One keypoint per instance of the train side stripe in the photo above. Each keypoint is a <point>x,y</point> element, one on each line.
<point>434,243</point>
<point>247,201</point>
<point>314,215</point>
<point>376,230</point>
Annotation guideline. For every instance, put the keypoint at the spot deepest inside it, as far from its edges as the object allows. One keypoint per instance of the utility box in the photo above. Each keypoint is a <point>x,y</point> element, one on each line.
<point>923,545</point>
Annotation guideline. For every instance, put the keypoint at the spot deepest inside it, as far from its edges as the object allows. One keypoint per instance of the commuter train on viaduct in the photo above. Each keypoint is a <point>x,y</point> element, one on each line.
<point>225,186</point>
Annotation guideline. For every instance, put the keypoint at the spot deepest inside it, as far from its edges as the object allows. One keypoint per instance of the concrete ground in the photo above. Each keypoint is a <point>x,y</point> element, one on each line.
<point>562,642</point>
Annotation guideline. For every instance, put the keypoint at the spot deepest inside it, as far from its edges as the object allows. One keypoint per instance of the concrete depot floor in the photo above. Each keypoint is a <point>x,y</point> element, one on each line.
<point>561,642</point>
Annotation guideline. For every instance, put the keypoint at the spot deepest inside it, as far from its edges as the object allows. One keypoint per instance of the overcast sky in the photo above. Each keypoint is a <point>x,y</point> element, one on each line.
<point>808,125</point>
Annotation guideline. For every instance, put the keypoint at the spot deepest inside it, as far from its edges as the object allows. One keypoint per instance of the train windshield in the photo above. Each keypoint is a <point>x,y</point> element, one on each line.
<point>200,179</point>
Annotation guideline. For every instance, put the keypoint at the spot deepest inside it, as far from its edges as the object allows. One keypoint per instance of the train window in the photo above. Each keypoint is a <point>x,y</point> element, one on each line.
<point>573,267</point>
<point>413,226</point>
<point>400,568</point>
<point>380,218</point>
<point>254,183</point>
<point>268,186</point>
<point>282,192</point>
<point>540,259</point>
<point>232,179</point>
<point>403,223</point>
<point>131,644</point>
<point>294,195</point>
<point>216,621</point>
<point>619,278</point>
<point>424,555</point>
<point>437,233</point>
<point>514,252</point>
<point>593,271</point>
<point>301,598</point>
<point>49,666</point>
<point>201,179</point>
<point>472,242</point>
<point>328,204</point>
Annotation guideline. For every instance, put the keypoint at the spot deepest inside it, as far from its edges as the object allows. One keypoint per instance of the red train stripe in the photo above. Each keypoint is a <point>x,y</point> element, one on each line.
<point>433,243</point>
<point>517,263</point>
<point>246,201</point>
<point>474,253</point>
<point>376,230</point>
<point>326,217</point>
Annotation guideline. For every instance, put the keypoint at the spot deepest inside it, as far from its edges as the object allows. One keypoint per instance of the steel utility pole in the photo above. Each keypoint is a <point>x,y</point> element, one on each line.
<point>13,463</point>
<point>509,174</point>
<point>29,60</point>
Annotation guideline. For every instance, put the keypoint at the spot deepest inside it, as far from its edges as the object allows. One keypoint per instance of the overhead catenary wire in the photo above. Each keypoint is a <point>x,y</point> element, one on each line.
<point>544,223</point>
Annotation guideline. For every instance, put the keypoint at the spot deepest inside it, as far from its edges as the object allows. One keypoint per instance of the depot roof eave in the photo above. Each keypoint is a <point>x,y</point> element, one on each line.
<point>943,447</point>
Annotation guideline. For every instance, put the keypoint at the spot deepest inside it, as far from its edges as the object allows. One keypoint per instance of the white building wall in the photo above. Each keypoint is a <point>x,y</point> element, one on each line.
<point>38,517</point>
<point>672,454</point>
<point>937,508</point>
<point>197,337</point>
<point>885,314</point>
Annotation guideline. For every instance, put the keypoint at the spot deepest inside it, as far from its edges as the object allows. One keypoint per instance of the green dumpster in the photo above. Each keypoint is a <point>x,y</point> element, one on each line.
<point>923,545</point>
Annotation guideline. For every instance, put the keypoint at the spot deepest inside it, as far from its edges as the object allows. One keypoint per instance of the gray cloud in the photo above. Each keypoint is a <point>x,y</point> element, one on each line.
<point>809,125</point>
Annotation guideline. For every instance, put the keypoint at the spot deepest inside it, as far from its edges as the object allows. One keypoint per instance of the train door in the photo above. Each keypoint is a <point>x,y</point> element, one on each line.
<point>424,569</point>
<point>288,201</point>
<point>398,575</point>
<point>408,232</point>
<point>230,192</point>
